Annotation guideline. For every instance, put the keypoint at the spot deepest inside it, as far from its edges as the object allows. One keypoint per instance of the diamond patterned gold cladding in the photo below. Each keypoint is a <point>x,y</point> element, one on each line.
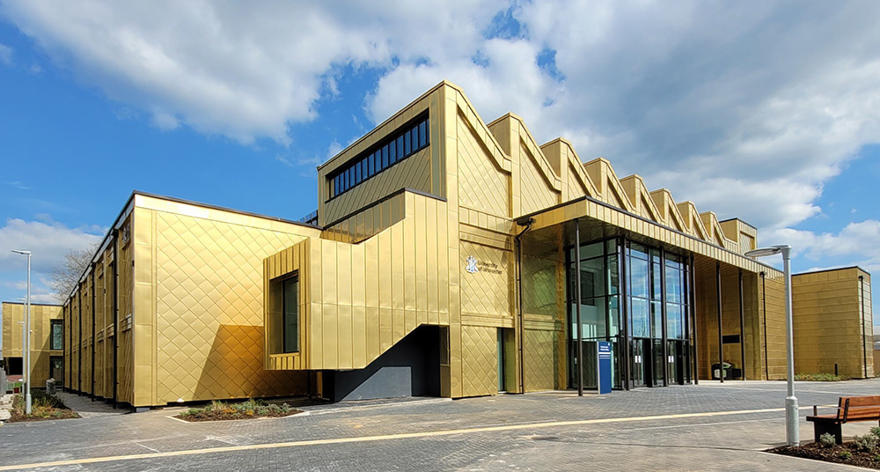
<point>482,186</point>
<point>535,194</point>
<point>540,365</point>
<point>485,292</point>
<point>414,172</point>
<point>209,309</point>
<point>479,346</point>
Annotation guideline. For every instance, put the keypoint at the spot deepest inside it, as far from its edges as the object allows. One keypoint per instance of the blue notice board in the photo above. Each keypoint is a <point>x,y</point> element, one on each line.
<point>603,370</point>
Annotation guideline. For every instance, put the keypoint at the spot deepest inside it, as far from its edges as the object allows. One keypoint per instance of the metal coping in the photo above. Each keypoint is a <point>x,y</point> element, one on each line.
<point>833,269</point>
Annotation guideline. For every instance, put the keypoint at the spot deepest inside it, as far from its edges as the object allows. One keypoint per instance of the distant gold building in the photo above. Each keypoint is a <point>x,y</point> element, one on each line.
<point>833,329</point>
<point>47,340</point>
<point>448,257</point>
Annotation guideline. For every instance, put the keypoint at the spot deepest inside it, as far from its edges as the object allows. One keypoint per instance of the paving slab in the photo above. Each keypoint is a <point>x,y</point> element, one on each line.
<point>705,427</point>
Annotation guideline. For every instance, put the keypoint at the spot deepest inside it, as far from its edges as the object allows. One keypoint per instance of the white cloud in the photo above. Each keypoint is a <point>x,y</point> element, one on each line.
<point>48,243</point>
<point>5,54</point>
<point>856,243</point>
<point>241,70</point>
<point>745,109</point>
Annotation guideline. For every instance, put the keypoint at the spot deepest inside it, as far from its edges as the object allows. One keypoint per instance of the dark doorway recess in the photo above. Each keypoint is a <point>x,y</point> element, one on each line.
<point>411,368</point>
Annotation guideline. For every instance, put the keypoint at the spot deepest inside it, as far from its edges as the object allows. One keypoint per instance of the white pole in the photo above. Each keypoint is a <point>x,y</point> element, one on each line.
<point>27,322</point>
<point>792,432</point>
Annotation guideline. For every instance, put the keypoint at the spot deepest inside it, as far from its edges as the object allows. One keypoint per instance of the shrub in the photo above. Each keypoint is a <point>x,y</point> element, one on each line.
<point>827,440</point>
<point>845,455</point>
<point>866,443</point>
<point>822,377</point>
<point>876,431</point>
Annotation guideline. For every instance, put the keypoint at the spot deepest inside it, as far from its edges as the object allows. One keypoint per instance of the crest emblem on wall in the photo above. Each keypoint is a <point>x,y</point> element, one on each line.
<point>471,265</point>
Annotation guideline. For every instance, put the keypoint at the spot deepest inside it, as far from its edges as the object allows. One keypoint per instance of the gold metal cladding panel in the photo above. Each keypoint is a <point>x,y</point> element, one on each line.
<point>486,281</point>
<point>88,334</point>
<point>479,351</point>
<point>367,223</point>
<point>74,342</point>
<point>413,172</point>
<point>827,324</point>
<point>539,350</point>
<point>209,308</point>
<point>535,191</point>
<point>360,298</point>
<point>482,185</point>
<point>13,324</point>
<point>125,358</point>
<point>290,260</point>
<point>541,285</point>
<point>391,179</point>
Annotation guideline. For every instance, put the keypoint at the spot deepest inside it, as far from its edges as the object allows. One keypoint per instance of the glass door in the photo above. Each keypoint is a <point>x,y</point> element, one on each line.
<point>640,353</point>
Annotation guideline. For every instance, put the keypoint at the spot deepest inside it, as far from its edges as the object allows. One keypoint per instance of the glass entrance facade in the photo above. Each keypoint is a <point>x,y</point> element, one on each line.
<point>635,297</point>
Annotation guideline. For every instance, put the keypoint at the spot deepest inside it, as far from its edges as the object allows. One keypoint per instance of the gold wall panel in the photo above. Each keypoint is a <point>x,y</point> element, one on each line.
<point>828,323</point>
<point>479,352</point>
<point>41,316</point>
<point>535,191</point>
<point>414,172</point>
<point>482,184</point>
<point>421,171</point>
<point>88,334</point>
<point>75,342</point>
<point>487,292</point>
<point>539,350</point>
<point>209,307</point>
<point>369,222</point>
<point>356,308</point>
<point>125,310</point>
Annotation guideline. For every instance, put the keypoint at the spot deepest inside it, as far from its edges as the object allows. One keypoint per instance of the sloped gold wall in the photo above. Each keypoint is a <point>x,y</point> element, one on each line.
<point>421,171</point>
<point>355,307</point>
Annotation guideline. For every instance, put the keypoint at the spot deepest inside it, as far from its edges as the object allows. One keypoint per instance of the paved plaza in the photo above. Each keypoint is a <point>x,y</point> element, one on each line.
<point>705,427</point>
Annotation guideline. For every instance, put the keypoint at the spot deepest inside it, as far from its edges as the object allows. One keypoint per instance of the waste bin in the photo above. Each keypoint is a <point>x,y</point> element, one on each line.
<point>50,386</point>
<point>716,371</point>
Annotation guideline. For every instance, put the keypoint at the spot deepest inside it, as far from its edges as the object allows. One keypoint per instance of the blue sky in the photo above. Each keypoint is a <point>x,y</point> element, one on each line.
<point>761,112</point>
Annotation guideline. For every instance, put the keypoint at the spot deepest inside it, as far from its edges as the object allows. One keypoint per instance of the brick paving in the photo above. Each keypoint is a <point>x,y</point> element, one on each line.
<point>725,442</point>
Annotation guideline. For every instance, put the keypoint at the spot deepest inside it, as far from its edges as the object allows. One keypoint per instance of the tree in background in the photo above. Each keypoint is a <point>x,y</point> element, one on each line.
<point>64,278</point>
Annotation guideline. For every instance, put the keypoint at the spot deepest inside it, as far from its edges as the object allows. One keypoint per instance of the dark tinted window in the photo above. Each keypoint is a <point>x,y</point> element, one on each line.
<point>401,144</point>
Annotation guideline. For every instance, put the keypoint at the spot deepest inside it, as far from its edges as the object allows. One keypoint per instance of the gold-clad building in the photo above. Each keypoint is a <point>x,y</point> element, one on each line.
<point>448,257</point>
<point>47,342</point>
<point>833,328</point>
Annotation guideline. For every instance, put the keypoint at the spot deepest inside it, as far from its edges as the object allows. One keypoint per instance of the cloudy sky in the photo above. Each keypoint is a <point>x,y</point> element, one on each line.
<point>767,111</point>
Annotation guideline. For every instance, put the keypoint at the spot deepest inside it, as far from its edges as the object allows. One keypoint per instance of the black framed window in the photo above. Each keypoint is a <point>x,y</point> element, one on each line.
<point>290,294</point>
<point>56,340</point>
<point>401,144</point>
<point>404,142</point>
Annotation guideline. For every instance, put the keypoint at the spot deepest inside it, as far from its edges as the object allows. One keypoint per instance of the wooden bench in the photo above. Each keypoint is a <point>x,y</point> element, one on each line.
<point>849,409</point>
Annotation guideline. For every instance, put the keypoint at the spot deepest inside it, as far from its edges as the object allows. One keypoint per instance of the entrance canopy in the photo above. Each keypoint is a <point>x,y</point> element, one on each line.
<point>590,211</point>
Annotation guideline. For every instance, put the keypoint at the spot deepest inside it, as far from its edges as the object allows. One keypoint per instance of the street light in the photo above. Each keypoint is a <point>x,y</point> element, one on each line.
<point>791,403</point>
<point>27,338</point>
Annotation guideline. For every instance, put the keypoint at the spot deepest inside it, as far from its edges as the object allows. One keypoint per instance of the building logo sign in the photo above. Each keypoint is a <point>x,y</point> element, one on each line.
<point>471,265</point>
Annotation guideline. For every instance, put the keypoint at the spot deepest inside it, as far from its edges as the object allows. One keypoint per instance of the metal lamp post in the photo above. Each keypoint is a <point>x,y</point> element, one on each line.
<point>792,433</point>
<point>27,338</point>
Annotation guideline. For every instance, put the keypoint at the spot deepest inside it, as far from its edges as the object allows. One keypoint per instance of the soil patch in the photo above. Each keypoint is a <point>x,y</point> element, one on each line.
<point>43,407</point>
<point>846,453</point>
